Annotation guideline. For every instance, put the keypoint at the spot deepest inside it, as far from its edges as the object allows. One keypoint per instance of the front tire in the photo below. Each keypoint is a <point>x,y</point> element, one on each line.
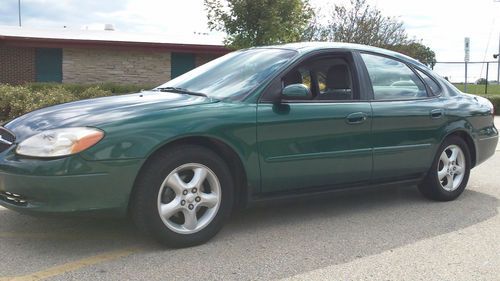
<point>449,174</point>
<point>183,196</point>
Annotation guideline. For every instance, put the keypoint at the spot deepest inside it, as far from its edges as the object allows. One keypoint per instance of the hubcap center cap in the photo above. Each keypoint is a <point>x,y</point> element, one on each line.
<point>190,198</point>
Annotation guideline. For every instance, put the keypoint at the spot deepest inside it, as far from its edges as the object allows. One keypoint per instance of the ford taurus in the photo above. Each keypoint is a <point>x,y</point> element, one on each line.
<point>255,124</point>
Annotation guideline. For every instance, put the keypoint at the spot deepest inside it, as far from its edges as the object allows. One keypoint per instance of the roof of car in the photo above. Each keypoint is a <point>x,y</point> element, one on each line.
<point>306,47</point>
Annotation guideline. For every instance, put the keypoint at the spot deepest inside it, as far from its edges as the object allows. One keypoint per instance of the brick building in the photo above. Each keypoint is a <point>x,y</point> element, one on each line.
<point>84,56</point>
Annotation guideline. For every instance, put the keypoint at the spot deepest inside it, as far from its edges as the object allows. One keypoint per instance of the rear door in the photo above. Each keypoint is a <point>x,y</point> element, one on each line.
<point>407,116</point>
<point>319,142</point>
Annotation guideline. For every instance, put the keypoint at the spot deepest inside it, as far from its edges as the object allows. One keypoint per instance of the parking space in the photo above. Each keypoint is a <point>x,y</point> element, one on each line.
<point>388,233</point>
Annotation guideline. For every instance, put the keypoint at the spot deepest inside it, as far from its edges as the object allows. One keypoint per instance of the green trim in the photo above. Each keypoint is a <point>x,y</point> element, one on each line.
<point>395,149</point>
<point>319,155</point>
<point>48,65</point>
<point>182,63</point>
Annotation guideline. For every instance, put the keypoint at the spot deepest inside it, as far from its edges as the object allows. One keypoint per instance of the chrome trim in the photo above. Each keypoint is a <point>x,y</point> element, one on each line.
<point>2,140</point>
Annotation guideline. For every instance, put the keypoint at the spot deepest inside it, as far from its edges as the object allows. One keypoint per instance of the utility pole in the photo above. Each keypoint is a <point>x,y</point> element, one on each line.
<point>466,59</point>
<point>19,9</point>
<point>498,64</point>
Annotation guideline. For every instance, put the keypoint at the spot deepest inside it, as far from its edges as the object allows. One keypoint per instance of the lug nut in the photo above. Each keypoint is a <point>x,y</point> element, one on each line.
<point>183,202</point>
<point>194,190</point>
<point>198,199</point>
<point>191,206</point>
<point>185,192</point>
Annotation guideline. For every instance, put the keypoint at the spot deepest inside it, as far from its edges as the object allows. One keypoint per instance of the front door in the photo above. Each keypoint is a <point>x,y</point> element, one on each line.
<point>319,142</point>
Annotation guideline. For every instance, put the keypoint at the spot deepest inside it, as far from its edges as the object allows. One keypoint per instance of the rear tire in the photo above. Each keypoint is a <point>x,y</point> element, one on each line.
<point>183,196</point>
<point>449,174</point>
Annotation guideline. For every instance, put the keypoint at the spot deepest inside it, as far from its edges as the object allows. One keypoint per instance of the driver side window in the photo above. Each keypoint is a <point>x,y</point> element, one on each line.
<point>393,80</point>
<point>301,75</point>
<point>327,78</point>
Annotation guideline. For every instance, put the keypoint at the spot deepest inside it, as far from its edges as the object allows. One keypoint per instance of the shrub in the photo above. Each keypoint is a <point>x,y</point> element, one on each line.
<point>93,92</point>
<point>79,88</point>
<point>495,100</point>
<point>18,100</point>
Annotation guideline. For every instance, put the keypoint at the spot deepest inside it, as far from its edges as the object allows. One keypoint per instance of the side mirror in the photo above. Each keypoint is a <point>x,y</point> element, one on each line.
<point>296,91</point>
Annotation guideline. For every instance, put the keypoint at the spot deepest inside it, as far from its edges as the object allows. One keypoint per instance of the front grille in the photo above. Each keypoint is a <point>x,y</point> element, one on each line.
<point>7,138</point>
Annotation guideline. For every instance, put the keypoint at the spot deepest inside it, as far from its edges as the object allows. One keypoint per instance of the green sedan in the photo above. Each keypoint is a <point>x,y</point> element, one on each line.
<point>253,125</point>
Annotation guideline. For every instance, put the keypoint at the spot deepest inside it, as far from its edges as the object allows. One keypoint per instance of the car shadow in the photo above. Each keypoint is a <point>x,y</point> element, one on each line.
<point>275,240</point>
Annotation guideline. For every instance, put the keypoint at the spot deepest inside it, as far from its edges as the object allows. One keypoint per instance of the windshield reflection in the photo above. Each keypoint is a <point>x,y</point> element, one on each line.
<point>234,74</point>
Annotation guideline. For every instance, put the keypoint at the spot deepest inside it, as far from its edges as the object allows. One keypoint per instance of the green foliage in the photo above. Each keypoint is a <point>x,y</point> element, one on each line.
<point>417,51</point>
<point>361,23</point>
<point>493,89</point>
<point>481,81</point>
<point>495,100</point>
<point>249,23</point>
<point>358,22</point>
<point>78,88</point>
<point>17,100</point>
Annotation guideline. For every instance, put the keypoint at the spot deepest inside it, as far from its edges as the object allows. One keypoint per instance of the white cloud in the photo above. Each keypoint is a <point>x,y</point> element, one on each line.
<point>441,24</point>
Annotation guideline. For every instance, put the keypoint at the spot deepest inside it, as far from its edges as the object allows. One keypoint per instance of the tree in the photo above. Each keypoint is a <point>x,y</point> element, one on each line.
<point>250,23</point>
<point>363,24</point>
<point>358,22</point>
<point>481,81</point>
<point>417,51</point>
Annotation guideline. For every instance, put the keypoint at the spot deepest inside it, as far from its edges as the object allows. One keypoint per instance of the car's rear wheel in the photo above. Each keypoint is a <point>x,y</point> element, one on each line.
<point>183,196</point>
<point>449,174</point>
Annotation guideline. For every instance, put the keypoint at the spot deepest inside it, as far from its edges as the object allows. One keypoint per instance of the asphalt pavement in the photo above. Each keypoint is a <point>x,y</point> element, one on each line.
<point>390,233</point>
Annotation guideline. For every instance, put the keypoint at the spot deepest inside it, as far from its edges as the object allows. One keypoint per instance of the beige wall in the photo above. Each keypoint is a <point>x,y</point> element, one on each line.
<point>118,66</point>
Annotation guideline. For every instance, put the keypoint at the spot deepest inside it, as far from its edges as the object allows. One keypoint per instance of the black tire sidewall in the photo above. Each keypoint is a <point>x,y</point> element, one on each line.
<point>145,209</point>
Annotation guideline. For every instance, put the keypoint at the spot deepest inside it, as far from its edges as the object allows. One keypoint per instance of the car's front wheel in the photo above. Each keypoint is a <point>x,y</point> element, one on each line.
<point>183,196</point>
<point>449,173</point>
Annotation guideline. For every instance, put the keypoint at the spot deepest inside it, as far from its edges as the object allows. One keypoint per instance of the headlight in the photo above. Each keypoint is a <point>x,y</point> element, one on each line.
<point>59,142</point>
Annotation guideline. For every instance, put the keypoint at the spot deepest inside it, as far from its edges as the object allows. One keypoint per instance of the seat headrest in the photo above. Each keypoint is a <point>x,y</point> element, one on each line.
<point>294,77</point>
<point>337,77</point>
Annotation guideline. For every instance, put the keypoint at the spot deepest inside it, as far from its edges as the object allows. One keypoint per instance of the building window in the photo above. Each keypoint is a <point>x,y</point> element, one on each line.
<point>182,63</point>
<point>48,65</point>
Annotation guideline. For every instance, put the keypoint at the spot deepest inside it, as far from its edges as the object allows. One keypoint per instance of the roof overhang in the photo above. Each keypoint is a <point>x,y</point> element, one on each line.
<point>17,41</point>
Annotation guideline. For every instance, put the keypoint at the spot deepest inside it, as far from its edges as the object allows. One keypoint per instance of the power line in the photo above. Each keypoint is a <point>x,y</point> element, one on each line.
<point>487,46</point>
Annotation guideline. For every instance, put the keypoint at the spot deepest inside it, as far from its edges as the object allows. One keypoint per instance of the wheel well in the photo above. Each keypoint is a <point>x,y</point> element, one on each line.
<point>227,154</point>
<point>470,144</point>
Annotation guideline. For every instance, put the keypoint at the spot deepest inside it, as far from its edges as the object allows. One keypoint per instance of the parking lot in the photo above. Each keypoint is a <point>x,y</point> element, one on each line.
<point>390,233</point>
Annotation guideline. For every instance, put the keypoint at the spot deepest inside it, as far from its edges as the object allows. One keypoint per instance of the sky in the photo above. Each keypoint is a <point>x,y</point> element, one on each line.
<point>440,24</point>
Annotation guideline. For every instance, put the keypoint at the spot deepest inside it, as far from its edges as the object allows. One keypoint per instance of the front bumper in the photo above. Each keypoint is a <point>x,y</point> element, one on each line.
<point>66,185</point>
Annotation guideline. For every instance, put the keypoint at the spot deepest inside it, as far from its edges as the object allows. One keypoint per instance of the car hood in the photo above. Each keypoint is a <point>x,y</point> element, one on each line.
<point>100,111</point>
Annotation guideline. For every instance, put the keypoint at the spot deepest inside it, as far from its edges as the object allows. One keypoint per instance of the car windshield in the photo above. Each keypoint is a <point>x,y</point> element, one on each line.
<point>233,75</point>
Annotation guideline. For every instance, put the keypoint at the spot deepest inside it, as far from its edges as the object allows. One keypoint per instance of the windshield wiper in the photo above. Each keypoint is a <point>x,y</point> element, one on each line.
<point>180,91</point>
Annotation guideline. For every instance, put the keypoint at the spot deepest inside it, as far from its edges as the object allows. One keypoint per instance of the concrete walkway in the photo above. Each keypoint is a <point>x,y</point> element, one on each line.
<point>497,124</point>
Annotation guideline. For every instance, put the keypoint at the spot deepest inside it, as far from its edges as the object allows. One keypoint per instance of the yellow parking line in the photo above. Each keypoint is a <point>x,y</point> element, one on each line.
<point>72,266</point>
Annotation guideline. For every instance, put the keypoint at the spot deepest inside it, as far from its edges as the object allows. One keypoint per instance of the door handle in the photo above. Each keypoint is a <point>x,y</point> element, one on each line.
<point>437,113</point>
<point>356,118</point>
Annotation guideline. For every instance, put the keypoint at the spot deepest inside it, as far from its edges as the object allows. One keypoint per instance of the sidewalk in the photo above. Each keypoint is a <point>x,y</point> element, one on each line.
<point>497,124</point>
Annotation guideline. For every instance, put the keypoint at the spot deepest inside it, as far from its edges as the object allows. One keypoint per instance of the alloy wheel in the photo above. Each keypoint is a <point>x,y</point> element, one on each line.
<point>451,167</point>
<point>189,198</point>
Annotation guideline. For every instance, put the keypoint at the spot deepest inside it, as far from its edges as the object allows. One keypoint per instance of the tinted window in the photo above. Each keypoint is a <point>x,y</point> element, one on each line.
<point>327,78</point>
<point>430,82</point>
<point>393,80</point>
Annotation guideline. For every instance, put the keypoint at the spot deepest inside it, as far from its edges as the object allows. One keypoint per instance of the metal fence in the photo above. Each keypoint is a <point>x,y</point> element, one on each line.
<point>484,72</point>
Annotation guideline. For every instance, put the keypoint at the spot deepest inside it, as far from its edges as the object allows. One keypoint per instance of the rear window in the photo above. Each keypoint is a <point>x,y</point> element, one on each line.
<point>433,85</point>
<point>392,79</point>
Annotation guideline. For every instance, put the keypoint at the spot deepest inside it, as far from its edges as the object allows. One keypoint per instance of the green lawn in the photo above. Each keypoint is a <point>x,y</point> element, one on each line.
<point>493,89</point>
